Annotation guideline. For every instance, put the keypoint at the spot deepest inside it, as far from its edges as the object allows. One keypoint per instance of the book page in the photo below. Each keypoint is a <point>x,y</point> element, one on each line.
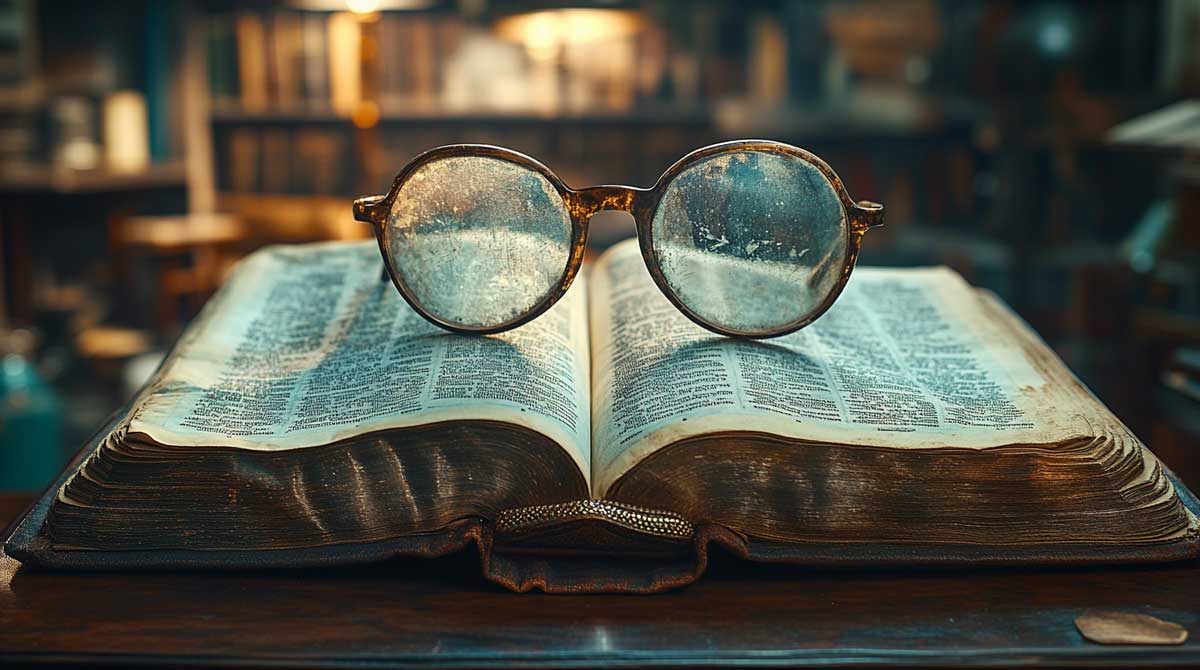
<point>306,345</point>
<point>904,358</point>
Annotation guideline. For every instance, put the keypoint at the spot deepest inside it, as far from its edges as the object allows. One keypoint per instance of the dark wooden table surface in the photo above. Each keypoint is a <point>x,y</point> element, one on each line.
<point>440,613</point>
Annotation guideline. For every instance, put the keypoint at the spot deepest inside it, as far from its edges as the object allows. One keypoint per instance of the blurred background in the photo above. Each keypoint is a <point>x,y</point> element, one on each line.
<point>1048,150</point>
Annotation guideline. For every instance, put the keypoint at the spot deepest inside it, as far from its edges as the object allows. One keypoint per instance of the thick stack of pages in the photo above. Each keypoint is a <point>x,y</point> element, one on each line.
<point>309,411</point>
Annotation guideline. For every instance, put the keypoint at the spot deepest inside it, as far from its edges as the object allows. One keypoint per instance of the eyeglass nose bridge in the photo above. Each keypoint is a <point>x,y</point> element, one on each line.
<point>588,201</point>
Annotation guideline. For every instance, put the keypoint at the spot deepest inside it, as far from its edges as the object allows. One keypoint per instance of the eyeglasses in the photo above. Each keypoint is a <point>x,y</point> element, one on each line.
<point>750,238</point>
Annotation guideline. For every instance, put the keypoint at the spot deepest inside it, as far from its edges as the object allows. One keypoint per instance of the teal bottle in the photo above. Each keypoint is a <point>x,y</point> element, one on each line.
<point>30,419</point>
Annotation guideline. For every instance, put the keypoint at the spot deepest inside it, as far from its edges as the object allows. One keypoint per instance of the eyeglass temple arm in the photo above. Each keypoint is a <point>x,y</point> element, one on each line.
<point>866,215</point>
<point>367,210</point>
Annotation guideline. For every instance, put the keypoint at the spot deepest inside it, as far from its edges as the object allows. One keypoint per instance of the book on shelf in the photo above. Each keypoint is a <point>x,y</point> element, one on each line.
<point>310,417</point>
<point>287,59</point>
<point>253,87</point>
<point>293,62</point>
<point>222,61</point>
<point>277,161</point>
<point>316,69</point>
<point>242,152</point>
<point>345,70</point>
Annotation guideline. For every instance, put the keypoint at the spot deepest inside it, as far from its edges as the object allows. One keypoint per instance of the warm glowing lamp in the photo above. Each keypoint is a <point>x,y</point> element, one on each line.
<point>126,132</point>
<point>363,6</point>
<point>544,33</point>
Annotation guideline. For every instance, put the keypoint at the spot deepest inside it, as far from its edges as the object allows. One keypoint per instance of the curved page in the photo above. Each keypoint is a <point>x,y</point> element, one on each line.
<point>905,358</point>
<point>306,345</point>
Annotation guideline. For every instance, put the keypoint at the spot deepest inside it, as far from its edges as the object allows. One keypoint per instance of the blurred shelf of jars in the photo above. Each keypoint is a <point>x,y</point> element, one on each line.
<point>146,146</point>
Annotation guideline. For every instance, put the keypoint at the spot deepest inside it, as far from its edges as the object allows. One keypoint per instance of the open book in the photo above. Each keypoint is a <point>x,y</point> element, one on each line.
<point>310,416</point>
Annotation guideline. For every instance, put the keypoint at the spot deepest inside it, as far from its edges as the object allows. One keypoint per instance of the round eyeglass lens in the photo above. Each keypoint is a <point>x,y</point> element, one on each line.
<point>751,241</point>
<point>478,241</point>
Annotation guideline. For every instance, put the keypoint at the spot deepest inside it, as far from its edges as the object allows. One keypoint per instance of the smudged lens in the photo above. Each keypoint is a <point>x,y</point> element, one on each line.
<point>478,241</point>
<point>751,241</point>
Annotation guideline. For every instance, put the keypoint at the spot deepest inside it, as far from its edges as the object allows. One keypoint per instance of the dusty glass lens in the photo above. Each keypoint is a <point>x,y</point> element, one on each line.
<point>478,241</point>
<point>751,241</point>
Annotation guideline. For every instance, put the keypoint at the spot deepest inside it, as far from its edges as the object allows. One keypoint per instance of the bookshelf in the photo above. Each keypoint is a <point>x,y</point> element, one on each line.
<point>599,95</point>
<point>45,178</point>
<point>236,115</point>
<point>281,86</point>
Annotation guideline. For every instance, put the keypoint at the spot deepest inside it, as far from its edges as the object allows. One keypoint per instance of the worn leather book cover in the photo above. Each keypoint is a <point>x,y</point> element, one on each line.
<point>590,551</point>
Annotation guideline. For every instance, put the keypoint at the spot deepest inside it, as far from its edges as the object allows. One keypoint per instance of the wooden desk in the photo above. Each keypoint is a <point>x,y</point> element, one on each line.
<point>440,613</point>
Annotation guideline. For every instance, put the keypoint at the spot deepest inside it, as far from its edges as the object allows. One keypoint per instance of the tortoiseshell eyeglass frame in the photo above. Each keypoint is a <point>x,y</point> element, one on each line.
<point>641,203</point>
